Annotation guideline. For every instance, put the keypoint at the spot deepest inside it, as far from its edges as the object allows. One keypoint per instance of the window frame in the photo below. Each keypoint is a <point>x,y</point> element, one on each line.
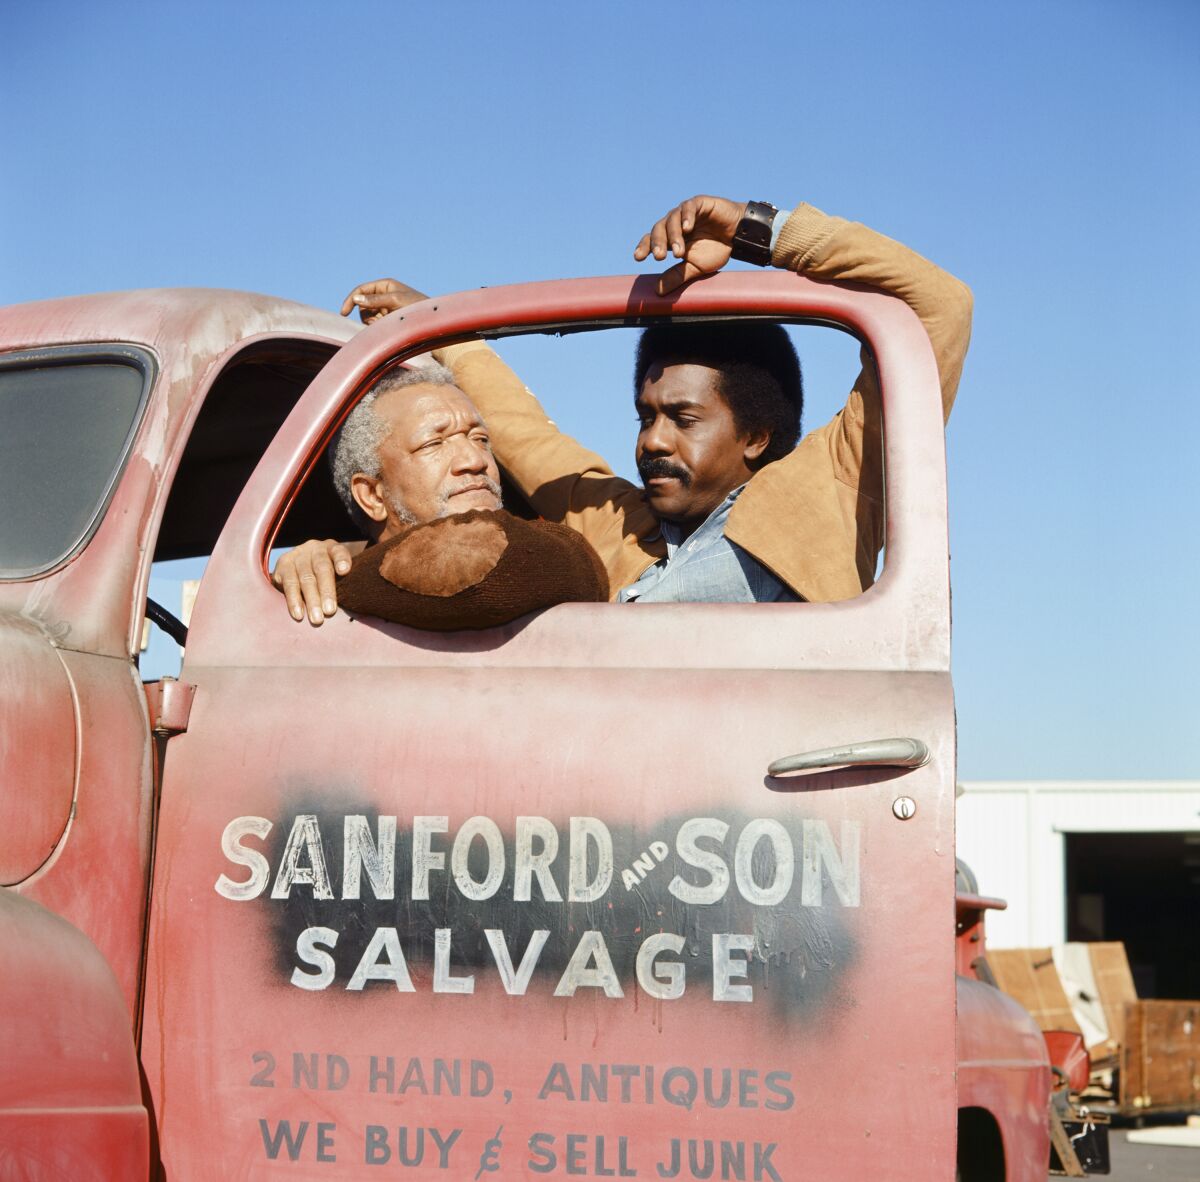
<point>899,624</point>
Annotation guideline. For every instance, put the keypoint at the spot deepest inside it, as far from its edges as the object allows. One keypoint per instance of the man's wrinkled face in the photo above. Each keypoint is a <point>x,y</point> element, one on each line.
<point>435,460</point>
<point>690,454</point>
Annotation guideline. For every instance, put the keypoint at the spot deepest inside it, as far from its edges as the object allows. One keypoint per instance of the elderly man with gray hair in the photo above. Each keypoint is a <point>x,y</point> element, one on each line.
<point>415,449</point>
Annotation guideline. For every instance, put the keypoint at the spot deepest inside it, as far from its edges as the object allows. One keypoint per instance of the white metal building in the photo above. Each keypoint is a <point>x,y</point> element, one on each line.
<point>1092,860</point>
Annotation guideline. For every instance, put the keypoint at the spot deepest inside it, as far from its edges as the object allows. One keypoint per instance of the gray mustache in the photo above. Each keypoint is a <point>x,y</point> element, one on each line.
<point>487,481</point>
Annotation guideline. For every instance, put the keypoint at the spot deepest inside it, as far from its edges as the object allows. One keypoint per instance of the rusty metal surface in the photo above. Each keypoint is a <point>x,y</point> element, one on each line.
<point>515,1054</point>
<point>169,702</point>
<point>967,905</point>
<point>97,875</point>
<point>1003,1062</point>
<point>970,932</point>
<point>48,1145</point>
<point>1068,1053</point>
<point>223,1009</point>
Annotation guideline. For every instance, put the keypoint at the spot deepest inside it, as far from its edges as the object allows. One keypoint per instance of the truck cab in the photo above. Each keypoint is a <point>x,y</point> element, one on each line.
<point>609,891</point>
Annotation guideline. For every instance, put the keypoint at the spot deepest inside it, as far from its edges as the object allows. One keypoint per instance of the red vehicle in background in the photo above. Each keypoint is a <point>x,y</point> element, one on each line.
<point>642,892</point>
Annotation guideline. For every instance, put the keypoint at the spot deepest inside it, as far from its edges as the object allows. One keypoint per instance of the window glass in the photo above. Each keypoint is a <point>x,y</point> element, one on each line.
<point>64,431</point>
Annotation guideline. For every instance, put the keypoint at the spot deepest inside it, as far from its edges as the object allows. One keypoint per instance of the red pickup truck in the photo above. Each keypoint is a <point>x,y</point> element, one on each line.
<point>513,903</point>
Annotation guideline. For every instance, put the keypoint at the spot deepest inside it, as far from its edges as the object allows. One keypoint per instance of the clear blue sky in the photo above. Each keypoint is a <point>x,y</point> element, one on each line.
<point>1048,153</point>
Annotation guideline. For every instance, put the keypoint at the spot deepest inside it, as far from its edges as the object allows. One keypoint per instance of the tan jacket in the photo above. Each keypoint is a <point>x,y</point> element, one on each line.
<point>814,518</point>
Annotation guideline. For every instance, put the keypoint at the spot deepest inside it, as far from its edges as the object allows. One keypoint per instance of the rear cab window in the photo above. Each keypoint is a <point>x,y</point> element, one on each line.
<point>67,419</point>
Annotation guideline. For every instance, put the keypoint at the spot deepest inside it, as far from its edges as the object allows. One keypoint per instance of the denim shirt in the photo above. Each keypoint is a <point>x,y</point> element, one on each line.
<point>707,568</point>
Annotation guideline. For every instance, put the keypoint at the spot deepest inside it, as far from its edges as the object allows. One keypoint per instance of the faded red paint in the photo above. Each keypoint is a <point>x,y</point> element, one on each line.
<point>642,718</point>
<point>89,609</point>
<point>193,333</point>
<point>35,700</point>
<point>70,1096</point>
<point>970,944</point>
<point>1068,1052</point>
<point>1003,1069</point>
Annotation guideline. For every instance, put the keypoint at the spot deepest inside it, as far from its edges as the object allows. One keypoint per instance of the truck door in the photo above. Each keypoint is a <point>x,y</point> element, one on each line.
<point>526,902</point>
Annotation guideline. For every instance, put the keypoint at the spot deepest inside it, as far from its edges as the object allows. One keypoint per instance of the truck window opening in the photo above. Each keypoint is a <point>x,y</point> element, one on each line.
<point>583,380</point>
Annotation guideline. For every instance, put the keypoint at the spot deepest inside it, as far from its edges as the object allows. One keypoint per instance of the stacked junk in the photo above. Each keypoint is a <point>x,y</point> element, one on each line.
<point>1145,1054</point>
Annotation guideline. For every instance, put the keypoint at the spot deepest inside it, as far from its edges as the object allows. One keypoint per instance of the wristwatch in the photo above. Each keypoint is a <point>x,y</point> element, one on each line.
<point>752,241</point>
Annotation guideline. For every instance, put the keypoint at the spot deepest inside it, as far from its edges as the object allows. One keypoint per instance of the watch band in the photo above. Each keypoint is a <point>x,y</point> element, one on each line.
<point>752,241</point>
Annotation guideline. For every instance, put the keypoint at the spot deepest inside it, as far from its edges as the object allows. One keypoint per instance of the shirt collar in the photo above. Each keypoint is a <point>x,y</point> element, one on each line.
<point>673,534</point>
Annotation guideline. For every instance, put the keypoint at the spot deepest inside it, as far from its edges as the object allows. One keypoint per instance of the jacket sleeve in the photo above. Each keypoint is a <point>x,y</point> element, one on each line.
<point>560,478</point>
<point>816,517</point>
<point>823,247</point>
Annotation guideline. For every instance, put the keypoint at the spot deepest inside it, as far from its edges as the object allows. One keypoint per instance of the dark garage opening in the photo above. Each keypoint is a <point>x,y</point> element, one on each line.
<point>1144,890</point>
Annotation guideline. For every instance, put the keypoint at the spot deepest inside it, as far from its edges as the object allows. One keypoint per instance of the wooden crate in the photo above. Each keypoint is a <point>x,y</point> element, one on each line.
<point>1160,1056</point>
<point>1029,975</point>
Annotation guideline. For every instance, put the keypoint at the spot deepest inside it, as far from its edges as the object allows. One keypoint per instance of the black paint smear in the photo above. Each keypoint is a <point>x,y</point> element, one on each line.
<point>800,956</point>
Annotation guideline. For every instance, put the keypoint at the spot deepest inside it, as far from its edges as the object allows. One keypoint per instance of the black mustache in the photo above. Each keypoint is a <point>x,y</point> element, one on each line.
<point>648,469</point>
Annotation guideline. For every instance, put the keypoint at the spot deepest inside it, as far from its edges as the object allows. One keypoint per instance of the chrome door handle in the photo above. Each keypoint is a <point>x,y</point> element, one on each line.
<point>874,753</point>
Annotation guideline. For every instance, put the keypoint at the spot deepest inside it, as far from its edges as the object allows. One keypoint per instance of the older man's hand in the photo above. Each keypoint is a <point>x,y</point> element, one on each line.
<point>307,576</point>
<point>376,299</point>
<point>699,231</point>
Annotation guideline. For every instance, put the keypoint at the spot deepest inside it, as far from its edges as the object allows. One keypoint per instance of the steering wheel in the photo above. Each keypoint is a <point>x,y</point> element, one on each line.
<point>172,625</point>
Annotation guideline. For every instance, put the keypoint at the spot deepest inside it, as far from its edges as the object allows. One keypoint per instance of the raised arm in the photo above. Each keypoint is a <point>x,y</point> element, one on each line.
<point>851,443</point>
<point>816,517</point>
<point>823,247</point>
<point>563,480</point>
<point>700,233</point>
